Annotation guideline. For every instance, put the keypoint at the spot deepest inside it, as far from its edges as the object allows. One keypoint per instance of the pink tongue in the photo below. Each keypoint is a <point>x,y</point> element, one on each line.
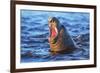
<point>53,33</point>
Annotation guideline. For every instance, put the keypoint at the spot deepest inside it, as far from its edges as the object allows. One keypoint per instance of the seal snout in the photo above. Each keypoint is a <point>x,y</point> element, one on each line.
<point>53,26</point>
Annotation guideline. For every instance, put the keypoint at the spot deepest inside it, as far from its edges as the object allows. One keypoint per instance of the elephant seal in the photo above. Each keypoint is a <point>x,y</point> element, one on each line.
<point>59,39</point>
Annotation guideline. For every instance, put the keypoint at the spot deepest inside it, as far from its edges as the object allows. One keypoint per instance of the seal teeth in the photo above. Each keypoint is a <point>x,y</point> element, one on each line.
<point>56,31</point>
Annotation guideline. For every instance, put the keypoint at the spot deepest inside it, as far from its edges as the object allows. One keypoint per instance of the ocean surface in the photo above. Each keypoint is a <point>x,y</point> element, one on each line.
<point>35,32</point>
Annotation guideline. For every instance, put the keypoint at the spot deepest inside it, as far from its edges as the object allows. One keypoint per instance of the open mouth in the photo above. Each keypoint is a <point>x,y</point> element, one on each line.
<point>53,32</point>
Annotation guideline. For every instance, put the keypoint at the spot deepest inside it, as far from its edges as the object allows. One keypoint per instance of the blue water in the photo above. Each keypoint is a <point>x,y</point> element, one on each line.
<point>35,33</point>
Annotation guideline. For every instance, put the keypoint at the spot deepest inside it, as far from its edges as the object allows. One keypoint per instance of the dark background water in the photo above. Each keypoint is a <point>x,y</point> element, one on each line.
<point>35,33</point>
